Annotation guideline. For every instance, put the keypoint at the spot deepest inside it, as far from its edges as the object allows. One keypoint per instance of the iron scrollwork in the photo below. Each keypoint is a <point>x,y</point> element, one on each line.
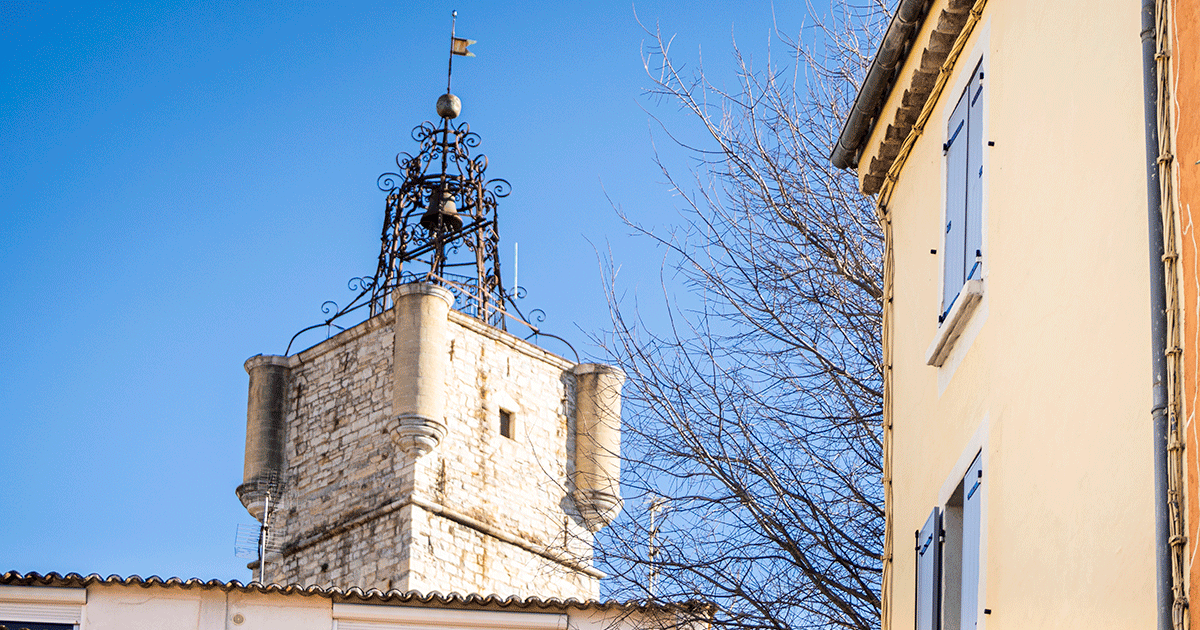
<point>440,226</point>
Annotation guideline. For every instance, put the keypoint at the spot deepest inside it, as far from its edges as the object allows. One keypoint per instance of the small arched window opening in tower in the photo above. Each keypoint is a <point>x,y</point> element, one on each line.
<point>508,421</point>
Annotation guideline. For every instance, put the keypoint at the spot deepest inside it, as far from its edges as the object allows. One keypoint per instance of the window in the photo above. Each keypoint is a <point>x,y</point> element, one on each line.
<point>506,423</point>
<point>929,567</point>
<point>963,247</point>
<point>41,608</point>
<point>504,410</point>
<point>947,549</point>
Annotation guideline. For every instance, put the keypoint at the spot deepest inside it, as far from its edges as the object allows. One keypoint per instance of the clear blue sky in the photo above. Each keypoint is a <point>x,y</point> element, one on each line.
<point>183,186</point>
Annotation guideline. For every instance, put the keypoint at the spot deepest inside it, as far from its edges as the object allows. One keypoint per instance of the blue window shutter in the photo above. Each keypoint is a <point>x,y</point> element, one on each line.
<point>929,572</point>
<point>973,228</point>
<point>972,520</point>
<point>954,248</point>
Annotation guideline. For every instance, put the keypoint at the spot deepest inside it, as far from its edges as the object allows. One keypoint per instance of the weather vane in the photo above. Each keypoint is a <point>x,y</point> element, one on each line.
<point>458,46</point>
<point>440,223</point>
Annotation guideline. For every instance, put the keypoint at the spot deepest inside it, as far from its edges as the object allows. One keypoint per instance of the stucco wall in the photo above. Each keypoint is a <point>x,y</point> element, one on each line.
<point>1051,379</point>
<point>116,606</point>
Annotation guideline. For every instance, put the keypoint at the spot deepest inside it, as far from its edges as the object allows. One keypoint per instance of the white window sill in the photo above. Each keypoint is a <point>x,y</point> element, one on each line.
<point>955,321</point>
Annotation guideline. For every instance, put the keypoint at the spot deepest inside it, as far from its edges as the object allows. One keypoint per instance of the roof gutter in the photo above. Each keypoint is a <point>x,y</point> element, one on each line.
<point>879,80</point>
<point>1158,323</point>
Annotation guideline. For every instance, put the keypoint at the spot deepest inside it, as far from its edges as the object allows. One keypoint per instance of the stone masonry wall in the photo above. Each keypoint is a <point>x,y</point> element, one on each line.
<point>482,513</point>
<point>448,553</point>
<point>340,460</point>
<point>516,485</point>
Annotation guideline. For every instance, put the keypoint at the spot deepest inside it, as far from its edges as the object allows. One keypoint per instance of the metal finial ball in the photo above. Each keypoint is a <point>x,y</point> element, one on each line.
<point>448,106</point>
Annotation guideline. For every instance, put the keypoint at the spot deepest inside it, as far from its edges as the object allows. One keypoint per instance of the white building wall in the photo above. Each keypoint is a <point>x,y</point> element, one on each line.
<point>123,606</point>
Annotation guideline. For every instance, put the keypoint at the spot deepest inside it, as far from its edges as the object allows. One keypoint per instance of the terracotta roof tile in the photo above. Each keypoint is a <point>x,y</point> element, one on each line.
<point>356,594</point>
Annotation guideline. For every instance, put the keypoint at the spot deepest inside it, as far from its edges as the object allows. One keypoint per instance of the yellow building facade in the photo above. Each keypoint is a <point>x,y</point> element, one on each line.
<point>1005,141</point>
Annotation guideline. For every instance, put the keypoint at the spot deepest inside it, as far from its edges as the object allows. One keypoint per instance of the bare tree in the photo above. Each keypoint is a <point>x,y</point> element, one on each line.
<point>752,439</point>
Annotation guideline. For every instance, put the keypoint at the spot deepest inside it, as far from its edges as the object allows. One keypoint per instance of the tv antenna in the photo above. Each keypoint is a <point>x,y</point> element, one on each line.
<point>259,541</point>
<point>657,504</point>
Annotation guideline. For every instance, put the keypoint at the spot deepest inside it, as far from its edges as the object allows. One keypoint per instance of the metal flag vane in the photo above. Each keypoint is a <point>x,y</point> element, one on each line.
<point>441,224</point>
<point>458,46</point>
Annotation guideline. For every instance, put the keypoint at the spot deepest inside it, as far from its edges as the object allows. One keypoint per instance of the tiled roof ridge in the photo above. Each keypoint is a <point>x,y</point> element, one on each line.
<point>436,598</point>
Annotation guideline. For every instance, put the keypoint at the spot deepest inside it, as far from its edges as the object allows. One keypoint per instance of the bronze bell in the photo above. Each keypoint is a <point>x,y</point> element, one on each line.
<point>443,217</point>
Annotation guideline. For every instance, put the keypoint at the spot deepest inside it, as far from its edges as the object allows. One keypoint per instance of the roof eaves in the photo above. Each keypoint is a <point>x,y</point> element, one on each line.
<point>880,79</point>
<point>868,109</point>
<point>355,594</point>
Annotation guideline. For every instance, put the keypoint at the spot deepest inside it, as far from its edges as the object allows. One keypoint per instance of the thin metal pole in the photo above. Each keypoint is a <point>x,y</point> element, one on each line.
<point>262,540</point>
<point>450,64</point>
<point>656,505</point>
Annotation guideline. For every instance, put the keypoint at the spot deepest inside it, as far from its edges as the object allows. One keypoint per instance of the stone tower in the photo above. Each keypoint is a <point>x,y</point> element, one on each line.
<point>427,448</point>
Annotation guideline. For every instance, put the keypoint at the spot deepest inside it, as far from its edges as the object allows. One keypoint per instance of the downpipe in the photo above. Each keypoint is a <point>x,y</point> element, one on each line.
<point>1158,323</point>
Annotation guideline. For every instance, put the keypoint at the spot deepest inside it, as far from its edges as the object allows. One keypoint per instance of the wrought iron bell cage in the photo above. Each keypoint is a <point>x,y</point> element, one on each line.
<point>440,223</point>
<point>440,226</point>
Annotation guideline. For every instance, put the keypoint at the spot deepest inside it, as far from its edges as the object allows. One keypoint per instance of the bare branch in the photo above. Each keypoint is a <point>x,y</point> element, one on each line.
<point>752,416</point>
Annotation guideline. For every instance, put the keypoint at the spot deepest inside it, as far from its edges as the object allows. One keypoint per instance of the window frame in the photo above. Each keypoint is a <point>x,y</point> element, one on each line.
<point>962,277</point>
<point>948,588</point>
<point>967,139</point>
<point>508,424</point>
<point>46,606</point>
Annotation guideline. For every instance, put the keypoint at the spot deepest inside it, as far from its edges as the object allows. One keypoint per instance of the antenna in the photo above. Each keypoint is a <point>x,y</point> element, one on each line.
<point>263,538</point>
<point>245,542</point>
<point>257,541</point>
<point>515,267</point>
<point>657,503</point>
